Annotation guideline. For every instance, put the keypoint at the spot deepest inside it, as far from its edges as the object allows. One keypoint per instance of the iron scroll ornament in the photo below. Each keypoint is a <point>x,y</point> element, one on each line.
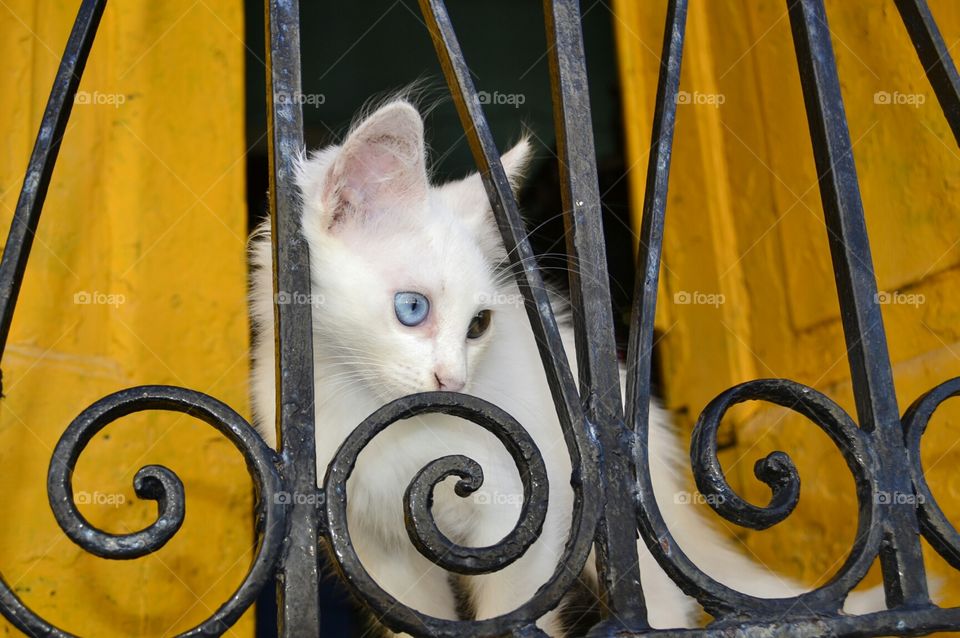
<point>160,484</point>
<point>607,447</point>
<point>936,528</point>
<point>432,543</point>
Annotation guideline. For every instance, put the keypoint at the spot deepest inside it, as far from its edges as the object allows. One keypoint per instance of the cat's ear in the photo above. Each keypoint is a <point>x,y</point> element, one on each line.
<point>469,195</point>
<point>515,162</point>
<point>467,198</point>
<point>380,167</point>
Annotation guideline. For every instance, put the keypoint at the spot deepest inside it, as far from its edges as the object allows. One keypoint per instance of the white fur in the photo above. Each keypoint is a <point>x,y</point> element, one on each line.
<point>375,227</point>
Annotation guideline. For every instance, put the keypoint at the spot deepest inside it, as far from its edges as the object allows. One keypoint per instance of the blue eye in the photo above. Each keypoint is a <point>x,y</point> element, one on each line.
<point>411,308</point>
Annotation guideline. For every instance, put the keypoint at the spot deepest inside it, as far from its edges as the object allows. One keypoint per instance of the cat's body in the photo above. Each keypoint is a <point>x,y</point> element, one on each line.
<point>376,228</point>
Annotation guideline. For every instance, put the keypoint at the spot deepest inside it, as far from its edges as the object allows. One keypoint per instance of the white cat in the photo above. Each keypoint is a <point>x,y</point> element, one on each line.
<point>410,299</point>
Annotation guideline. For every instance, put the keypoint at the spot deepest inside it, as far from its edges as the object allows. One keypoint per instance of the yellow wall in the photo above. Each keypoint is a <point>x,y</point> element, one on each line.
<point>744,221</point>
<point>147,204</point>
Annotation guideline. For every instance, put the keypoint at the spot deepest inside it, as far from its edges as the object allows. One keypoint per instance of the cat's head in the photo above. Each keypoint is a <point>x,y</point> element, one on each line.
<point>404,271</point>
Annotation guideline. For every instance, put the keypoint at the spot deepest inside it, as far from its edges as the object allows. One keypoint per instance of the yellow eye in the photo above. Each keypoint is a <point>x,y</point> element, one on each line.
<point>479,324</point>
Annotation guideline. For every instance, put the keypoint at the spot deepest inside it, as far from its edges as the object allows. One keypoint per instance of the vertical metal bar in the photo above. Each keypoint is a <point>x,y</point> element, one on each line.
<point>505,209</point>
<point>872,377</point>
<point>617,559</point>
<point>580,442</point>
<point>935,58</point>
<point>640,348</point>
<point>298,576</point>
<point>42,159</point>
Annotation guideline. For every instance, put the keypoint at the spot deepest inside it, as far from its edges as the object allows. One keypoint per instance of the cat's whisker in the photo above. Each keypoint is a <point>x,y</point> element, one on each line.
<point>355,367</point>
<point>569,265</point>
<point>352,358</point>
<point>351,375</point>
<point>527,236</point>
<point>513,269</point>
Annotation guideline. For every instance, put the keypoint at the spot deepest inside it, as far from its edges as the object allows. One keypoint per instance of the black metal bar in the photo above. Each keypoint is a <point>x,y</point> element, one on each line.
<point>16,252</point>
<point>640,347</point>
<point>617,560</point>
<point>298,586</point>
<point>871,373</point>
<point>578,433</point>
<point>23,227</point>
<point>935,58</point>
<point>506,211</point>
<point>512,228</point>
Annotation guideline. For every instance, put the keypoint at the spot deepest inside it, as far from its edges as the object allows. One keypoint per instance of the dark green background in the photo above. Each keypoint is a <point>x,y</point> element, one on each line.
<point>355,51</point>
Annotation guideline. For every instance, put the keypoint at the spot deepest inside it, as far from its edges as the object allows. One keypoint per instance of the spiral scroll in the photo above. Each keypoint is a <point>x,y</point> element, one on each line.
<point>422,527</point>
<point>778,472</point>
<point>936,527</point>
<point>162,485</point>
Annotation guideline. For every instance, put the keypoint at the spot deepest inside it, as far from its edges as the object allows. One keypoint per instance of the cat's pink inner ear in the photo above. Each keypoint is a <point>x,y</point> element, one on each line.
<point>381,167</point>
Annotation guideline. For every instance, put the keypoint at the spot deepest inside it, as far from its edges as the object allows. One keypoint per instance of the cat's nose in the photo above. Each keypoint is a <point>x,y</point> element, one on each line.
<point>448,383</point>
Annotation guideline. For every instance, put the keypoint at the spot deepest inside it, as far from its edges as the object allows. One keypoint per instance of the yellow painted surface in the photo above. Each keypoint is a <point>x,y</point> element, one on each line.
<point>145,220</point>
<point>745,237</point>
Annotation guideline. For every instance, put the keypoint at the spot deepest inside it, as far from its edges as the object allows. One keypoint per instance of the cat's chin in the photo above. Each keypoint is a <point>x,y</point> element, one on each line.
<point>384,395</point>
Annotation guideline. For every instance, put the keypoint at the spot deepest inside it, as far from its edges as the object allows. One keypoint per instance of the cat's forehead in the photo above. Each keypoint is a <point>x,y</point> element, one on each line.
<point>436,254</point>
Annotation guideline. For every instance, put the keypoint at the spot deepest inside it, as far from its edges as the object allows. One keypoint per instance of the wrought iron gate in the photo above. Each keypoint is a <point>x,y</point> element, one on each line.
<point>607,444</point>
